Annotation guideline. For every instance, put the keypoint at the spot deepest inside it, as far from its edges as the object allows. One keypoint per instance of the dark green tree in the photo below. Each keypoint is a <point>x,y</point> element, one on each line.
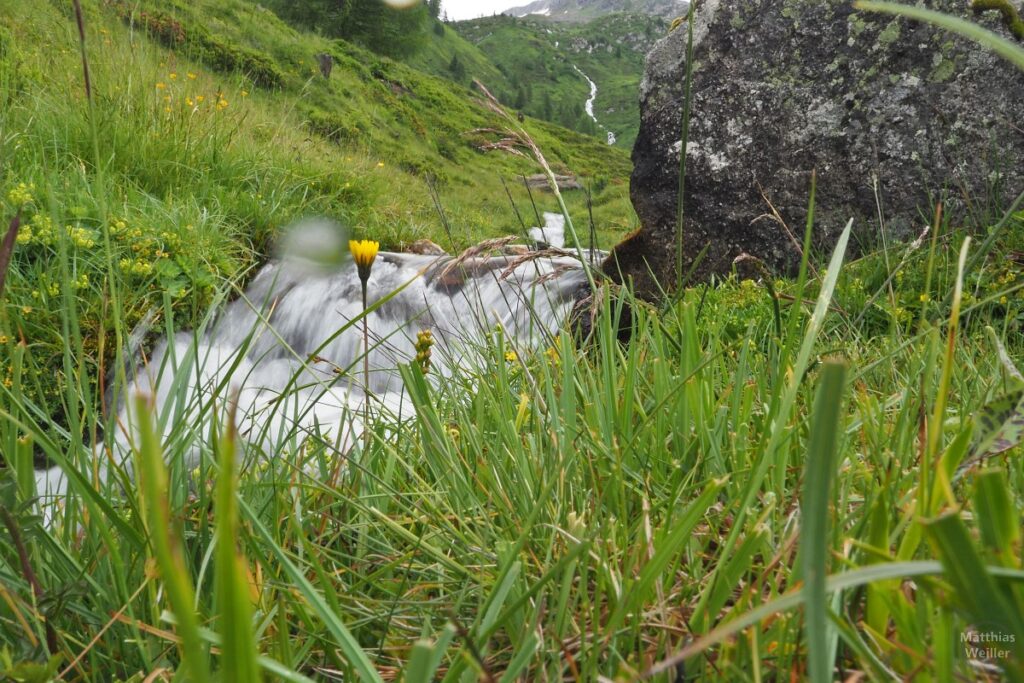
<point>369,23</point>
<point>457,69</point>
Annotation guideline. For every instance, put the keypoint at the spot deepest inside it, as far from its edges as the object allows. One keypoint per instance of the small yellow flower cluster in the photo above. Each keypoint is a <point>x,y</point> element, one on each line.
<point>136,267</point>
<point>81,237</point>
<point>21,194</point>
<point>424,342</point>
<point>81,282</point>
<point>52,289</point>
<point>511,356</point>
<point>553,356</point>
<point>39,230</point>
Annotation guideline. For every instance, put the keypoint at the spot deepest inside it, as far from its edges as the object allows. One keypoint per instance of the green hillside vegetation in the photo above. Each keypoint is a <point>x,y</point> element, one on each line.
<point>536,56</point>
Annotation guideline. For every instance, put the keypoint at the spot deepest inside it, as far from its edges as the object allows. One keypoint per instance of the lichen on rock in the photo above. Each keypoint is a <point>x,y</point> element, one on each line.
<point>891,114</point>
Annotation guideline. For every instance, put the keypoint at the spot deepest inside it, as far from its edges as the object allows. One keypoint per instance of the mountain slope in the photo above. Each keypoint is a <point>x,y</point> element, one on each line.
<point>584,10</point>
<point>548,68</point>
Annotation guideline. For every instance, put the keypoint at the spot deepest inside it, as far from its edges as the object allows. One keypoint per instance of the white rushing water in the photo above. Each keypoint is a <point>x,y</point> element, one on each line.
<point>589,105</point>
<point>290,352</point>
<point>553,232</point>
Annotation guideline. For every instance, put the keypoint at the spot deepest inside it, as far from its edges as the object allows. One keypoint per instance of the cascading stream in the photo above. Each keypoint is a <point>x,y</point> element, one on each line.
<point>290,349</point>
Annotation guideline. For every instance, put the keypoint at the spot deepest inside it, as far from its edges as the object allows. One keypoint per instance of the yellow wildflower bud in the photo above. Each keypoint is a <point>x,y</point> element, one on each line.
<point>364,252</point>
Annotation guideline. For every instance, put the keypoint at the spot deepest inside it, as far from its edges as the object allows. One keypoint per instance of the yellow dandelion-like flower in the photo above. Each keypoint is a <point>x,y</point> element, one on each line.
<point>364,252</point>
<point>200,98</point>
<point>924,298</point>
<point>27,310</point>
<point>161,85</point>
<point>3,339</point>
<point>167,110</point>
<point>191,76</point>
<point>173,76</point>
<point>245,93</point>
<point>188,101</point>
<point>511,356</point>
<point>222,104</point>
<point>380,164</point>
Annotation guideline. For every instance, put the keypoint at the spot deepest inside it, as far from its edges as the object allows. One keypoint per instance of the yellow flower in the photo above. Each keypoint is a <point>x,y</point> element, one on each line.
<point>380,164</point>
<point>3,338</point>
<point>191,76</point>
<point>424,342</point>
<point>924,298</point>
<point>363,253</point>
<point>26,310</point>
<point>22,194</point>
<point>245,93</point>
<point>511,356</point>
<point>161,85</point>
<point>222,104</point>
<point>173,76</point>
<point>200,98</point>
<point>188,101</point>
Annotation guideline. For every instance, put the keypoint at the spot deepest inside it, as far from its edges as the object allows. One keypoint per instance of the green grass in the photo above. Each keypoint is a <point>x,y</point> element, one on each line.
<point>591,510</point>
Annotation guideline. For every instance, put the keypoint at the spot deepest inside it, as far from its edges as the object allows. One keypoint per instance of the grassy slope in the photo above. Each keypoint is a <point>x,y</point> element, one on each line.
<point>610,50</point>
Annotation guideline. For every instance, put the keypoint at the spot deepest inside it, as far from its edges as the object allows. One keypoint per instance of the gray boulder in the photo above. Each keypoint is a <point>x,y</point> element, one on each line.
<point>892,114</point>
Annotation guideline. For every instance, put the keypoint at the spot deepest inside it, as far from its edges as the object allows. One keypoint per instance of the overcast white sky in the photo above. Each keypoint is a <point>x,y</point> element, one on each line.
<point>470,9</point>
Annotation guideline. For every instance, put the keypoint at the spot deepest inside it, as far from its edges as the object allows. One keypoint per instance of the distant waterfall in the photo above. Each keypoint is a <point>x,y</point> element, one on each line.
<point>589,106</point>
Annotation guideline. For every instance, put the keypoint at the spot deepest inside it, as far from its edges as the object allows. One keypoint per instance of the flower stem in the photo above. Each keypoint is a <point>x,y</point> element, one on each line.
<point>366,370</point>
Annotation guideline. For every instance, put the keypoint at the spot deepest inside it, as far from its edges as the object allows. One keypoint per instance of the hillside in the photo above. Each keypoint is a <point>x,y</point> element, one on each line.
<point>547,68</point>
<point>584,10</point>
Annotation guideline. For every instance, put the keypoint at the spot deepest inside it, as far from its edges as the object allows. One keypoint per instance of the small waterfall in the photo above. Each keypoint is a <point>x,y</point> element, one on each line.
<point>291,348</point>
<point>553,232</point>
<point>589,105</point>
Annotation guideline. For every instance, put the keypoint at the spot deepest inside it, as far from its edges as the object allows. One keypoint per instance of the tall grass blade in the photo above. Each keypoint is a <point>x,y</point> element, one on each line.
<point>166,547</point>
<point>815,546</point>
<point>238,649</point>
<point>993,41</point>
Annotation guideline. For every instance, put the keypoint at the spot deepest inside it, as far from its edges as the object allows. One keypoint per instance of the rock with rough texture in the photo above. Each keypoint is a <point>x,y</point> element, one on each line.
<point>892,114</point>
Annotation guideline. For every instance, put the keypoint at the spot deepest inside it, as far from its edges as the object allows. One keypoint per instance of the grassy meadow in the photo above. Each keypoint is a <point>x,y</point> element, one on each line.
<point>761,485</point>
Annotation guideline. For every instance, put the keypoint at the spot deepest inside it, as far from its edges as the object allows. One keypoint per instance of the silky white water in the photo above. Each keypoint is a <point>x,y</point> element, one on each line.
<point>291,349</point>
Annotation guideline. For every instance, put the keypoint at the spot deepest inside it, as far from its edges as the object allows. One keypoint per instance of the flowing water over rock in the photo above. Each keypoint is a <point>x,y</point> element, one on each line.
<point>291,348</point>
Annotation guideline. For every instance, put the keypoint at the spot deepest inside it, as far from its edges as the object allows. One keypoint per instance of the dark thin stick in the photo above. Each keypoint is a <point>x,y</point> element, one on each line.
<point>593,227</point>
<point>7,249</point>
<point>540,223</point>
<point>80,19</point>
<point>471,646</point>
<point>28,573</point>
<point>683,143</point>
<point>515,209</point>
<point>434,197</point>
